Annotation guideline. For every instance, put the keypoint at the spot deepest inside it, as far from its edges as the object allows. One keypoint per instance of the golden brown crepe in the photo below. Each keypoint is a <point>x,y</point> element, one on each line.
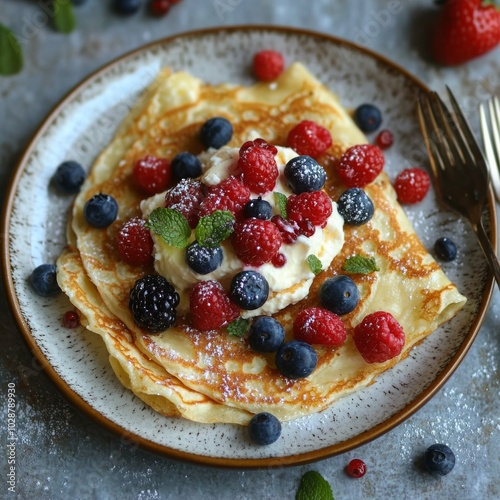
<point>212,376</point>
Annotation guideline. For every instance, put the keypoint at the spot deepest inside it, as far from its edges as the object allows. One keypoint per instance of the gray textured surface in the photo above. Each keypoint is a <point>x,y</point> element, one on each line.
<point>61,453</point>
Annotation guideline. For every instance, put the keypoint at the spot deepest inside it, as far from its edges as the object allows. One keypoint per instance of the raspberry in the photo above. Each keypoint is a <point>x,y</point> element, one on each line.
<point>258,166</point>
<point>319,326</point>
<point>315,207</point>
<point>360,165</point>
<point>384,139</point>
<point>256,241</point>
<point>379,337</point>
<point>268,65</point>
<point>151,174</point>
<point>288,229</point>
<point>134,242</point>
<point>186,198</point>
<point>411,185</point>
<point>210,306</point>
<point>309,138</point>
<point>153,302</point>
<point>230,194</point>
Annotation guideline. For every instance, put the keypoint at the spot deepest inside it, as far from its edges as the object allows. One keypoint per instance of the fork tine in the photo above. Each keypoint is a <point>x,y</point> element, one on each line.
<point>491,141</point>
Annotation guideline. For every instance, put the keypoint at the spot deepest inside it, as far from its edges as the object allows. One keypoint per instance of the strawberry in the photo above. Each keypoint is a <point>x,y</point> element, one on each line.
<point>465,29</point>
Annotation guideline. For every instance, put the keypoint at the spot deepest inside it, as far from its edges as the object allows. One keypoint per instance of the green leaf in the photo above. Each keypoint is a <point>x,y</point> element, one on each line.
<point>314,264</point>
<point>239,327</point>
<point>313,486</point>
<point>280,200</point>
<point>11,57</point>
<point>64,17</point>
<point>213,229</point>
<point>171,225</point>
<point>360,264</point>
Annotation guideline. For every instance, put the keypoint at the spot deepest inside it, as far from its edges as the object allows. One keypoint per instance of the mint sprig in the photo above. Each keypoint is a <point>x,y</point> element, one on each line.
<point>313,486</point>
<point>280,199</point>
<point>314,263</point>
<point>64,17</point>
<point>360,264</point>
<point>11,57</point>
<point>213,229</point>
<point>171,225</point>
<point>239,327</point>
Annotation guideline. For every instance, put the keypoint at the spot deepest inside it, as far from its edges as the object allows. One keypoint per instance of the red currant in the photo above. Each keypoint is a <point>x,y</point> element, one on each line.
<point>356,468</point>
<point>385,139</point>
<point>279,260</point>
<point>71,319</point>
<point>160,7</point>
<point>268,65</point>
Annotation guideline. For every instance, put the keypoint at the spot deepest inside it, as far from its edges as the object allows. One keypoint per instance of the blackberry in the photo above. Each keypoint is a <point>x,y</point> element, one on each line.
<point>185,165</point>
<point>355,206</point>
<point>203,260</point>
<point>216,132</point>
<point>258,208</point>
<point>304,174</point>
<point>153,302</point>
<point>249,290</point>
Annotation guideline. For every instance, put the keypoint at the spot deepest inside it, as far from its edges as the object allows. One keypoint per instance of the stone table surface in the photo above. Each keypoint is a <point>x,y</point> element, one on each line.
<point>61,453</point>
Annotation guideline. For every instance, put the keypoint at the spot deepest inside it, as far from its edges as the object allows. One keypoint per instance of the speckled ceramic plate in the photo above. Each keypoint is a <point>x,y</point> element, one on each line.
<point>84,122</point>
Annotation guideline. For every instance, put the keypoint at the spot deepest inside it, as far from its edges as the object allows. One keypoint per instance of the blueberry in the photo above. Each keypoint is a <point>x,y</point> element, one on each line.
<point>258,208</point>
<point>44,281</point>
<point>185,165</point>
<point>439,459</point>
<point>339,294</point>
<point>249,290</point>
<point>266,334</point>
<point>127,7</point>
<point>355,207</point>
<point>304,174</point>
<point>368,117</point>
<point>203,260</point>
<point>445,249</point>
<point>264,428</point>
<point>216,132</point>
<point>68,177</point>
<point>296,359</point>
<point>78,2</point>
<point>101,210</point>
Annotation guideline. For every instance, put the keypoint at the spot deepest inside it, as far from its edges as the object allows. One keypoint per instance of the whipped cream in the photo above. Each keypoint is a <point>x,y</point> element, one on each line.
<point>287,284</point>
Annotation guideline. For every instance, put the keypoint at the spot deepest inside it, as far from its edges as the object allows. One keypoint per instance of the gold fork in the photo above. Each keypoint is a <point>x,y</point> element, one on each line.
<point>459,168</point>
<point>491,138</point>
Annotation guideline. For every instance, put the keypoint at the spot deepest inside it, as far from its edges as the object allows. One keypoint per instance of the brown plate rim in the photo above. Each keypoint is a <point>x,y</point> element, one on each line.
<point>81,404</point>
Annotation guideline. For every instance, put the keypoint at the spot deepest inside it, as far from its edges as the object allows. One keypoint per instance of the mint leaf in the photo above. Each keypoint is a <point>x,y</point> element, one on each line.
<point>239,327</point>
<point>315,264</point>
<point>171,225</point>
<point>360,264</point>
<point>313,486</point>
<point>64,18</point>
<point>280,200</point>
<point>213,229</point>
<point>11,57</point>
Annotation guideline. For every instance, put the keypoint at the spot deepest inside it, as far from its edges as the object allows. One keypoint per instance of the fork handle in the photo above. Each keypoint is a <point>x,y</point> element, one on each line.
<point>488,251</point>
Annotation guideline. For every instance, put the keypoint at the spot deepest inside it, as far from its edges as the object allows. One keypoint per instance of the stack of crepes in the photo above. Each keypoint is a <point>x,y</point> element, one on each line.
<point>213,376</point>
